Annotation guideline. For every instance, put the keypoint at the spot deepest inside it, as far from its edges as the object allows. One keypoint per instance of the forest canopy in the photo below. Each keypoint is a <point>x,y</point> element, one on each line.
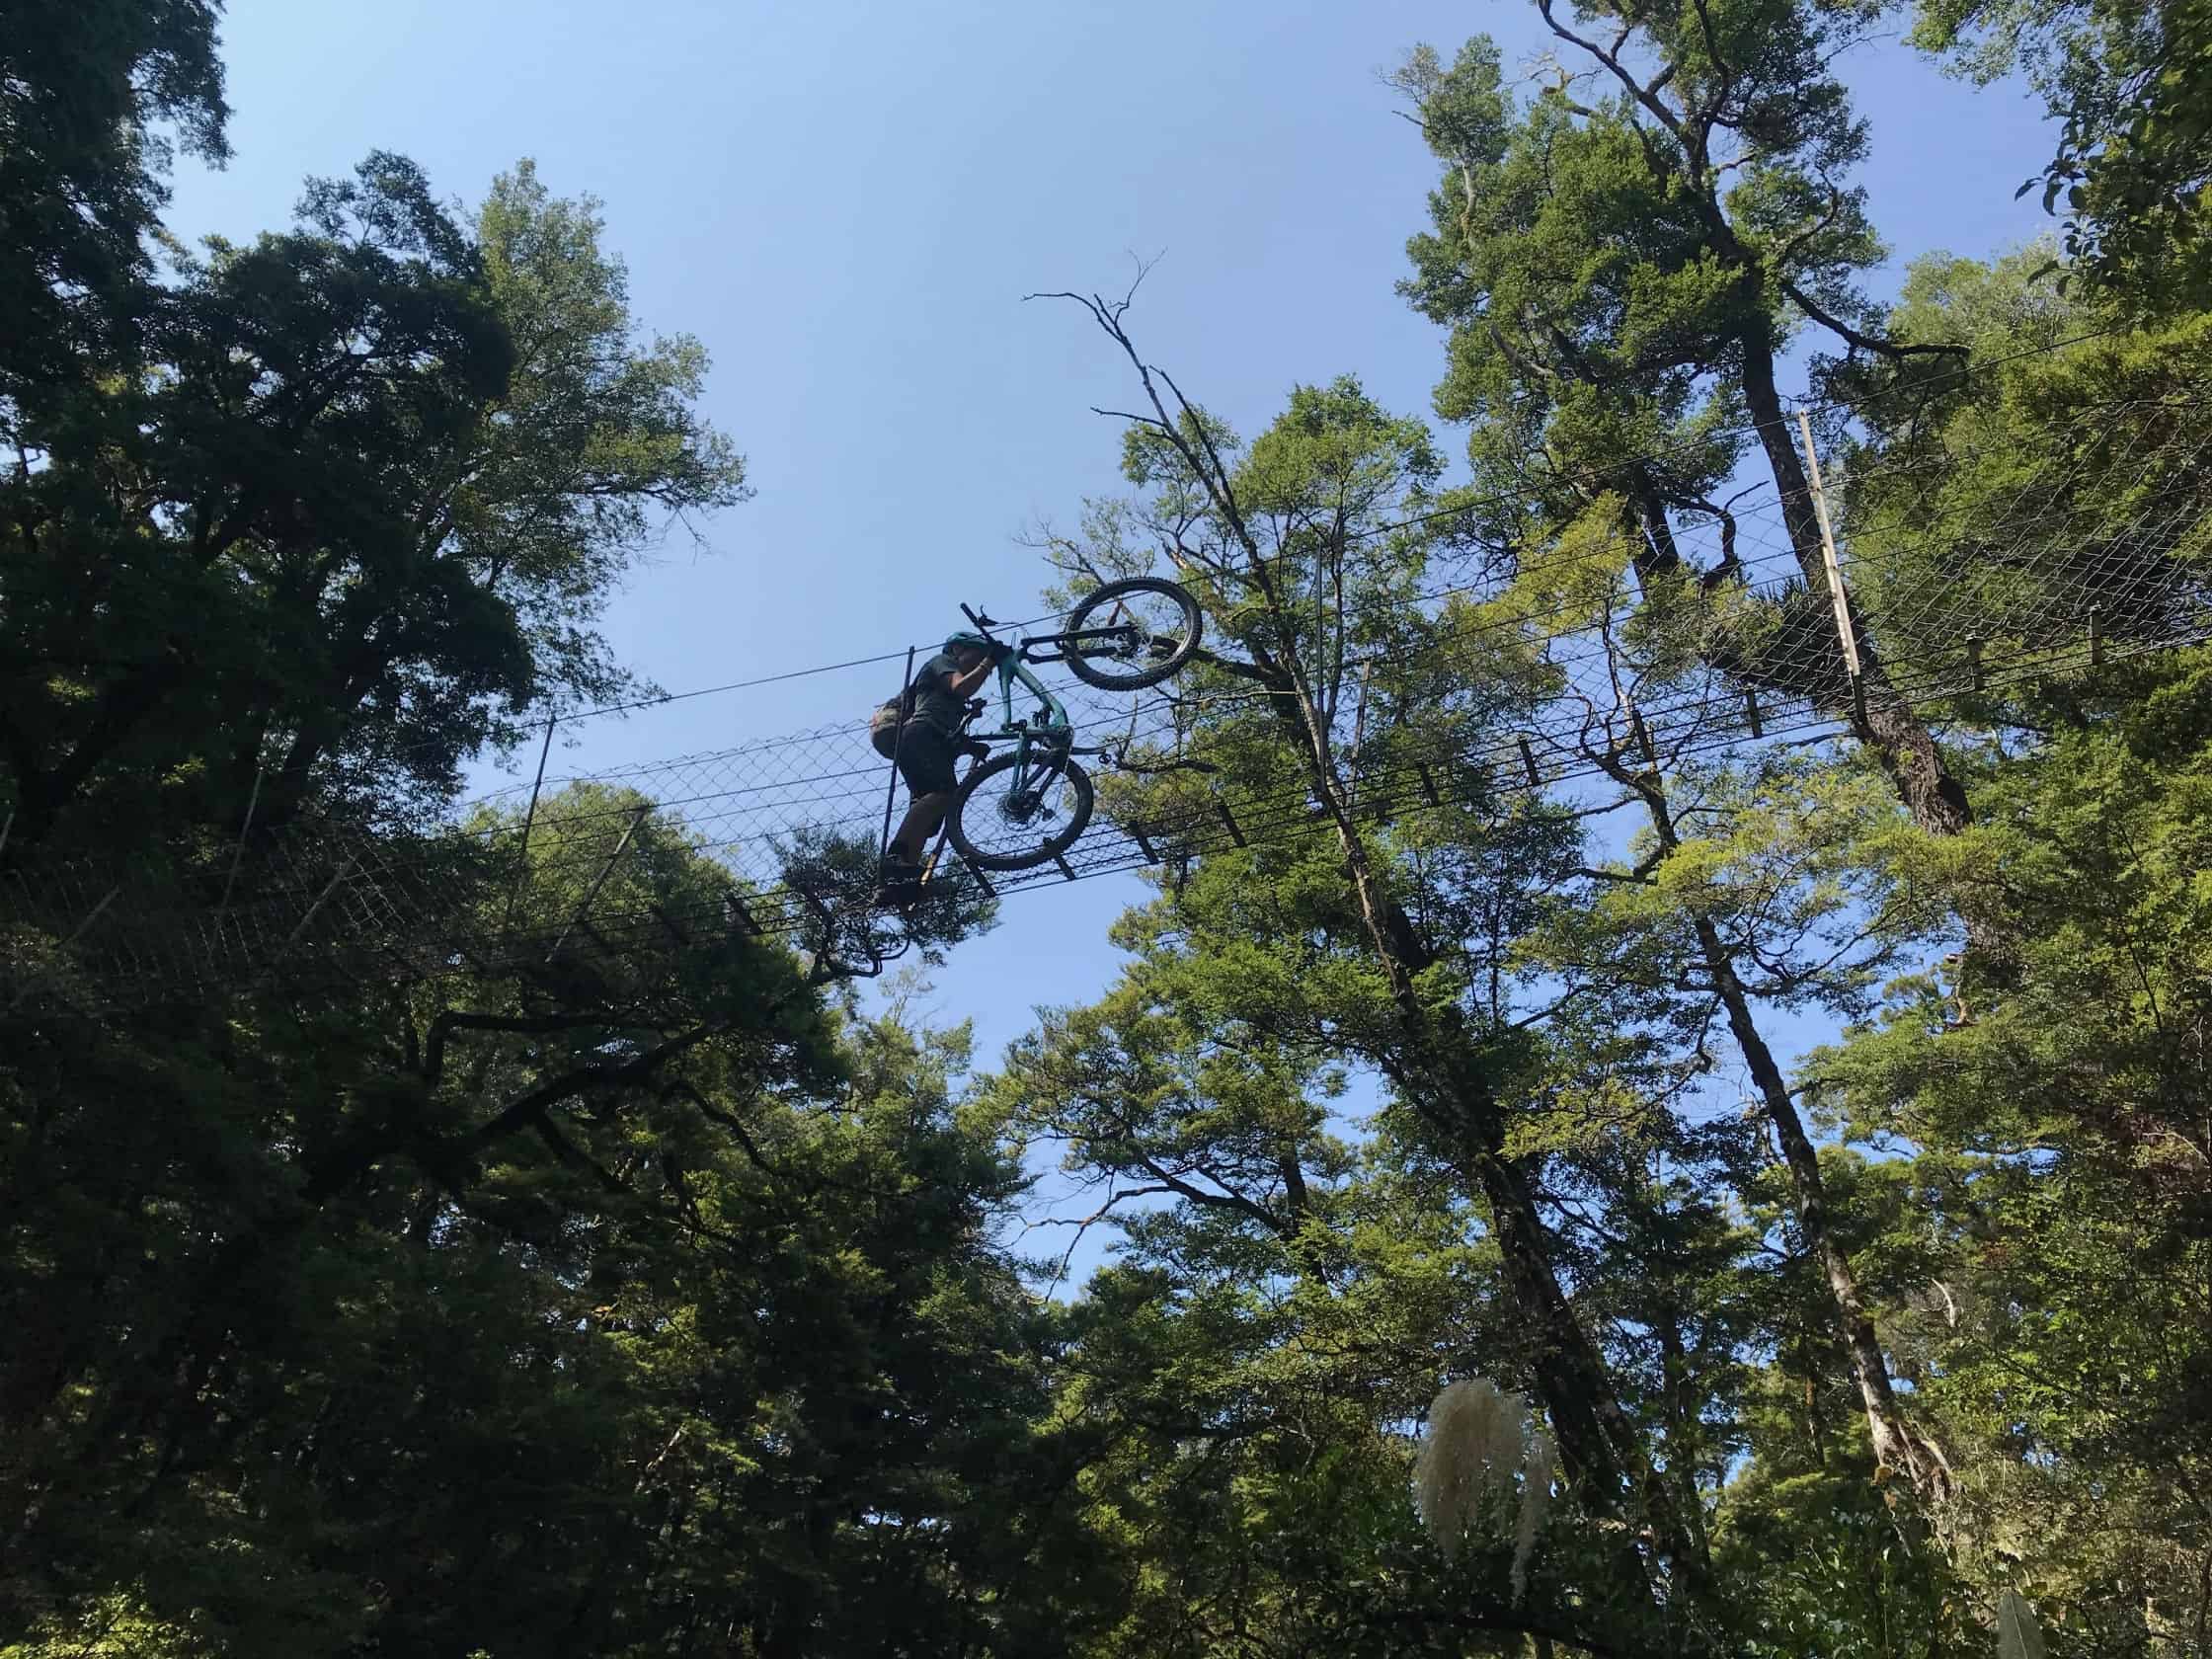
<point>1668,1111</point>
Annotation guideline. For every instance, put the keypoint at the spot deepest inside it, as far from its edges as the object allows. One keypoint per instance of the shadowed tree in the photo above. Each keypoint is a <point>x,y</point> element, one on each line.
<point>354,517</point>
<point>87,89</point>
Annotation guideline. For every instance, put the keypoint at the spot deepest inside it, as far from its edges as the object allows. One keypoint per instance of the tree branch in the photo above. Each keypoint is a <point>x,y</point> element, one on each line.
<point>1890,348</point>
<point>1643,95</point>
<point>1234,1202</point>
<point>568,1153</point>
<point>518,1114</point>
<point>460,1019</point>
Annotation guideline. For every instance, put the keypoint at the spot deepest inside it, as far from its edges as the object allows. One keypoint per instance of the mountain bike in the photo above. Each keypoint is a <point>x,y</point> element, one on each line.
<point>1026,806</point>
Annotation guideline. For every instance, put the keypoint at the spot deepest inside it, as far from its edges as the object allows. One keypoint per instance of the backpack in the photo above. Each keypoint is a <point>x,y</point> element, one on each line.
<point>884,724</point>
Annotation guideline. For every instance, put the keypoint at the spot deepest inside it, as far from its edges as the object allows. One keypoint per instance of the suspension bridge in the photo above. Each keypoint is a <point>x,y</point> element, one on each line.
<point>2098,552</point>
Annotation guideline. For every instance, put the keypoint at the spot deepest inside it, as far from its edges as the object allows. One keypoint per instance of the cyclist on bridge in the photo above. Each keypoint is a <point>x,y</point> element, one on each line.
<point>1027,804</point>
<point>920,729</point>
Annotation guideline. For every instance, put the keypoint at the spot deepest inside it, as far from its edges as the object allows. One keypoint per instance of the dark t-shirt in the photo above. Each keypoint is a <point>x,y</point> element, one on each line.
<point>934,704</point>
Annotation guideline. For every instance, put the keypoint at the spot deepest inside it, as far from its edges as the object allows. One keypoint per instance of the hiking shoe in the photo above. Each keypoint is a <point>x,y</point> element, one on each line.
<point>900,884</point>
<point>898,896</point>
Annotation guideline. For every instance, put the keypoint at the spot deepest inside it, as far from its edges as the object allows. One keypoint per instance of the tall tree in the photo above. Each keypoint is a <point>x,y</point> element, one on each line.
<point>1776,909</point>
<point>2043,1249</point>
<point>354,517</point>
<point>2041,1109</point>
<point>1398,950</point>
<point>647,1287</point>
<point>1621,261</point>
<point>1288,1300</point>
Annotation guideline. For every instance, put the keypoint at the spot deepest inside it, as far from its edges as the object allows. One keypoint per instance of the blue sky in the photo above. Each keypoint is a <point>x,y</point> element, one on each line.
<point>847,202</point>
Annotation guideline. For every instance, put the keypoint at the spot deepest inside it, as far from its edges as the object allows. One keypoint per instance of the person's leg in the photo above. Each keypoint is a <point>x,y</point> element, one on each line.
<point>926,762</point>
<point>924,815</point>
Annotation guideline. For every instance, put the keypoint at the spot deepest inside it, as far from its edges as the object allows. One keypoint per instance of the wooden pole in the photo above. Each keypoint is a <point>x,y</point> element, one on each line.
<point>734,902</point>
<point>244,830</point>
<point>637,816</point>
<point>1846,635</point>
<point>344,870</point>
<point>890,789</point>
<point>76,933</point>
<point>1642,735</point>
<point>1359,734</point>
<point>522,876</point>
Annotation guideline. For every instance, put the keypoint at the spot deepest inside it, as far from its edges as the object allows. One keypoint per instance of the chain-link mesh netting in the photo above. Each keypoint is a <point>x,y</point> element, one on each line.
<point>1969,572</point>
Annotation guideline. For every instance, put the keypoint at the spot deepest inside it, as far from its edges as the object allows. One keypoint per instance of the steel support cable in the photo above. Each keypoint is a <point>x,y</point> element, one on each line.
<point>1144,728</point>
<point>1940,463</point>
<point>1596,475</point>
<point>1264,822</point>
<point>1262,819</point>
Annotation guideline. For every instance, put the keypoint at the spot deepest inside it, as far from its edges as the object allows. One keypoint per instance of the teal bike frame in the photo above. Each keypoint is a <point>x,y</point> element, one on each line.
<point>1042,744</point>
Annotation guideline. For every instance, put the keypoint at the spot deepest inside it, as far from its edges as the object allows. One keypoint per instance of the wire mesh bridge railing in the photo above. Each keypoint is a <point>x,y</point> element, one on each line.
<point>2100,551</point>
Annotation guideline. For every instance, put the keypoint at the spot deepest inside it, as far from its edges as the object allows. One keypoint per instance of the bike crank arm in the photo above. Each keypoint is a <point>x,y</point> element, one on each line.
<point>1120,762</point>
<point>1059,647</point>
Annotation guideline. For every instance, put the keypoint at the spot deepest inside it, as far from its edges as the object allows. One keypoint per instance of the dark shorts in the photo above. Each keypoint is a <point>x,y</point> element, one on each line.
<point>926,759</point>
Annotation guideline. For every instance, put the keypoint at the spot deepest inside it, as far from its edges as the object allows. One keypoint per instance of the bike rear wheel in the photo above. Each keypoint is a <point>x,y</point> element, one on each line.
<point>996,829</point>
<point>1144,629</point>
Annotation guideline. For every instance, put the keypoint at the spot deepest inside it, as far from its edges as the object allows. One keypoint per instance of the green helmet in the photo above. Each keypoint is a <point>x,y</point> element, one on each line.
<point>974,642</point>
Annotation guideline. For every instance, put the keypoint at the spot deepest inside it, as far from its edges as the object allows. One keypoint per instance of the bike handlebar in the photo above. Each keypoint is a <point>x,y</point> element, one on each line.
<point>982,622</point>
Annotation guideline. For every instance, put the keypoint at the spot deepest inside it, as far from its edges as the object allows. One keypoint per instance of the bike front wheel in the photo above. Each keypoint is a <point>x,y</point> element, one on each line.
<point>1131,634</point>
<point>997,827</point>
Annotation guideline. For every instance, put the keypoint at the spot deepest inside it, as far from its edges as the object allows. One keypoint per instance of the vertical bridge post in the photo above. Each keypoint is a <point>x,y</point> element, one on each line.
<point>1846,635</point>
<point>530,818</point>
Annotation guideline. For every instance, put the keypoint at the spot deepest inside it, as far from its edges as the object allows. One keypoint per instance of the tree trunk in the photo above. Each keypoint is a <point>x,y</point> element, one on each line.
<point>1897,1443</point>
<point>1576,1387</point>
<point>1681,1412</point>
<point>1888,723</point>
<point>1446,1079</point>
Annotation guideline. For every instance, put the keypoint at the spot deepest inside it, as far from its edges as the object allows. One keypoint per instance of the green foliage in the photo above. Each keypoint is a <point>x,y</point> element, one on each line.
<point>1981,462</point>
<point>608,1302</point>
<point>1615,253</point>
<point>2130,86</point>
<point>1621,258</point>
<point>1305,1297</point>
<point>642,1296</point>
<point>357,512</point>
<point>85,87</point>
<point>559,1312</point>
